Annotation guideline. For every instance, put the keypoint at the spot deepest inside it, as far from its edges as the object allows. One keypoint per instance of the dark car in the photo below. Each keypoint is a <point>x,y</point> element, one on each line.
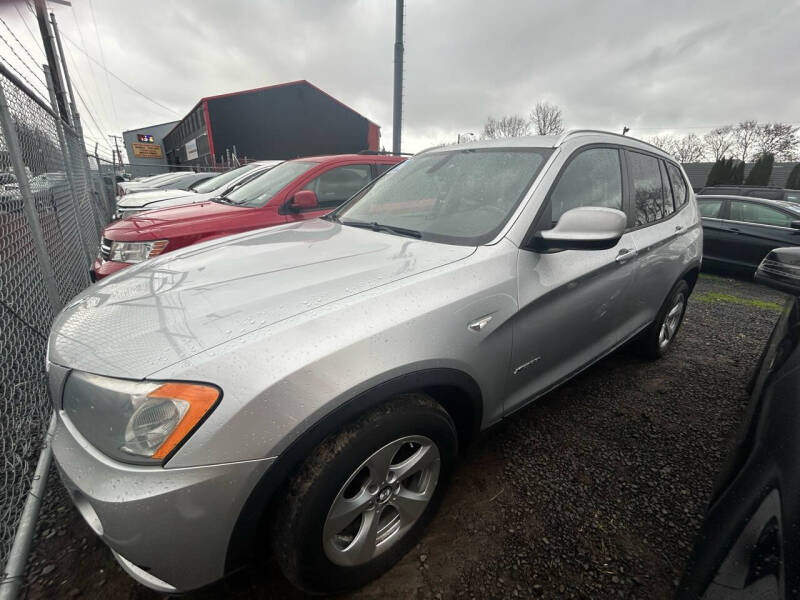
<point>748,546</point>
<point>738,231</point>
<point>769,193</point>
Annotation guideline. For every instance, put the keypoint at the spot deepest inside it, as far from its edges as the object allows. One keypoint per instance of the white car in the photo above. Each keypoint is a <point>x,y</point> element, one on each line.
<point>136,202</point>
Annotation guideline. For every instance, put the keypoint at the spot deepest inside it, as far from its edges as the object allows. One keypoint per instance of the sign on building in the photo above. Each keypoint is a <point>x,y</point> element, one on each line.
<point>147,150</point>
<point>146,138</point>
<point>191,149</point>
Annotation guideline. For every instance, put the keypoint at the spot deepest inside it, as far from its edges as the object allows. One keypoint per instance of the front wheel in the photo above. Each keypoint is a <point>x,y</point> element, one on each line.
<point>365,495</point>
<point>658,338</point>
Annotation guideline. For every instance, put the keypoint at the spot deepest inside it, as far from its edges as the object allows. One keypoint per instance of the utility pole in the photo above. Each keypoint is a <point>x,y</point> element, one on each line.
<point>52,59</point>
<point>116,139</point>
<point>397,122</point>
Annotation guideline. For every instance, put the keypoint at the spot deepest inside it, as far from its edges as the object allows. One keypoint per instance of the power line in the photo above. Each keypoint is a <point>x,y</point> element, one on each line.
<point>118,78</point>
<point>103,57</point>
<point>36,40</point>
<point>91,67</point>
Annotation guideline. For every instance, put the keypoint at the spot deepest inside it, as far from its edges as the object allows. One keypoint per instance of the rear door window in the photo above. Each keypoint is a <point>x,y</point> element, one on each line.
<point>751,212</point>
<point>710,208</point>
<point>650,201</point>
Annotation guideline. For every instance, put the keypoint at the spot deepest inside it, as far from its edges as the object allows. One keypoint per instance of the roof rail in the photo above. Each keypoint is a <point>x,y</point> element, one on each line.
<point>384,153</point>
<point>572,132</point>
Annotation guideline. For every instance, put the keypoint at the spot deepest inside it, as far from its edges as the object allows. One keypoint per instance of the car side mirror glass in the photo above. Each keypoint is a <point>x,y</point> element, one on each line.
<point>780,270</point>
<point>304,200</point>
<point>584,228</point>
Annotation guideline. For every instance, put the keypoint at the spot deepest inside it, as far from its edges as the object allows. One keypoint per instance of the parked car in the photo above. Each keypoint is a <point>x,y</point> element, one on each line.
<point>770,193</point>
<point>175,181</point>
<point>293,191</point>
<point>307,387</point>
<point>138,202</point>
<point>739,231</point>
<point>8,181</point>
<point>748,543</point>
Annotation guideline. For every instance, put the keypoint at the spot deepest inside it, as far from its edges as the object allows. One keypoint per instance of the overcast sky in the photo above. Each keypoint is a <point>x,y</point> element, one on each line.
<point>653,66</point>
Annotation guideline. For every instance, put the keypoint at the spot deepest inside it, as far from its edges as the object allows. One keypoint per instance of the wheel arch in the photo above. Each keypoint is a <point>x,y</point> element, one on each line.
<point>691,275</point>
<point>455,390</point>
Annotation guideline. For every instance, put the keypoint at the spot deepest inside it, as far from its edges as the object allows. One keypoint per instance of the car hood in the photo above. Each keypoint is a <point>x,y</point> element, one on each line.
<point>143,199</point>
<point>165,310</point>
<point>160,223</point>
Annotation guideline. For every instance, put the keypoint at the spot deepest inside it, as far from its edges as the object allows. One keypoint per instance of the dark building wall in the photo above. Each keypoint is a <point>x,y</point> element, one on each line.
<point>287,121</point>
<point>698,173</point>
<point>191,127</point>
<point>278,122</point>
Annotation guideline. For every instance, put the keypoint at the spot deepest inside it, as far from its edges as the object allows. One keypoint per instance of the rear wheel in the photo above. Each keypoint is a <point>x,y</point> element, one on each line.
<point>658,338</point>
<point>364,496</point>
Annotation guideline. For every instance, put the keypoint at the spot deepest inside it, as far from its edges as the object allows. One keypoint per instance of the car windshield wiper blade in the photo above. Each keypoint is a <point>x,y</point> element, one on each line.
<point>222,200</point>
<point>375,226</point>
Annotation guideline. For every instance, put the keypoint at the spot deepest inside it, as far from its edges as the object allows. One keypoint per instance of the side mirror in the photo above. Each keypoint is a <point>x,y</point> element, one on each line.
<point>304,200</point>
<point>584,228</point>
<point>780,270</point>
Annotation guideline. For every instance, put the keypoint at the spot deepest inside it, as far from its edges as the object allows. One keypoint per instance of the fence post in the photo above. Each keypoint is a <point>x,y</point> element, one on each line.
<point>65,152</point>
<point>110,207</point>
<point>28,202</point>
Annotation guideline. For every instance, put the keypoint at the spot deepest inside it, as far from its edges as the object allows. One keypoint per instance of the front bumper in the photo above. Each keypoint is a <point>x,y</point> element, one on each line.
<point>170,529</point>
<point>104,268</point>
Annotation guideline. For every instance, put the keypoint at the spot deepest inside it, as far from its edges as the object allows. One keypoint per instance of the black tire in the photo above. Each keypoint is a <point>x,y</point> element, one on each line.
<point>297,531</point>
<point>650,344</point>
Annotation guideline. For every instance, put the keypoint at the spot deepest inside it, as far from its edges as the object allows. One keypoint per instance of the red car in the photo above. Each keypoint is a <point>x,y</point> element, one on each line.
<point>295,190</point>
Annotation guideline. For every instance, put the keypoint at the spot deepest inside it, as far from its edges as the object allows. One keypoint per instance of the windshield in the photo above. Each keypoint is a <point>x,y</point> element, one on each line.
<point>258,192</point>
<point>219,181</point>
<point>459,197</point>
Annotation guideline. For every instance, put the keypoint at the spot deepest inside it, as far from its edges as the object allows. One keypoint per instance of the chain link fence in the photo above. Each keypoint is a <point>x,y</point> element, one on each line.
<point>53,205</point>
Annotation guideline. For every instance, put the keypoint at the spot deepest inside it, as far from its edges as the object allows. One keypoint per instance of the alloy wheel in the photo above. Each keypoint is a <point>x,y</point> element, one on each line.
<point>381,500</point>
<point>671,321</point>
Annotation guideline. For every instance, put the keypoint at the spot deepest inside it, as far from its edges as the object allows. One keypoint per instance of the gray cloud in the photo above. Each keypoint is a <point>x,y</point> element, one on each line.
<point>648,65</point>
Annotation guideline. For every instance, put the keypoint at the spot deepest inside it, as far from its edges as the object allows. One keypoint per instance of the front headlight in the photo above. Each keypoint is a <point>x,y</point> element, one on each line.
<point>134,252</point>
<point>134,421</point>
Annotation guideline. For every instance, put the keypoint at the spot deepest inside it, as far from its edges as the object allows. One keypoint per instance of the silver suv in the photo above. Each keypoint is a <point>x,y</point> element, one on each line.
<point>307,387</point>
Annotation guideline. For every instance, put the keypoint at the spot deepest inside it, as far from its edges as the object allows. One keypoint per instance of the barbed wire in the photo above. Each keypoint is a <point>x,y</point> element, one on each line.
<point>37,77</point>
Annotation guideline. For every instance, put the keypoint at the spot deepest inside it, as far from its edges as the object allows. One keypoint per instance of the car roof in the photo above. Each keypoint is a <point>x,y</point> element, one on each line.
<point>327,158</point>
<point>785,204</point>
<point>554,141</point>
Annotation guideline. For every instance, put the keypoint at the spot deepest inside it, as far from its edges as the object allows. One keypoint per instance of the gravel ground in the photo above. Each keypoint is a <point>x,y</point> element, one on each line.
<point>596,491</point>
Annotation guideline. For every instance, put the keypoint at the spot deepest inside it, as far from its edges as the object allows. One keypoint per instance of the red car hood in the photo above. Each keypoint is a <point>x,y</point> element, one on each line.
<point>165,223</point>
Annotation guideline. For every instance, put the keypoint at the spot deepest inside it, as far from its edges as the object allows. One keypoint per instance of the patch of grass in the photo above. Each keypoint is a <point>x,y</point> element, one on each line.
<point>717,297</point>
<point>705,275</point>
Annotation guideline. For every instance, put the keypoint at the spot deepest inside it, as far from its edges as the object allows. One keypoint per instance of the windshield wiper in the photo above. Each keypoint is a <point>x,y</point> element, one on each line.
<point>375,226</point>
<point>222,200</point>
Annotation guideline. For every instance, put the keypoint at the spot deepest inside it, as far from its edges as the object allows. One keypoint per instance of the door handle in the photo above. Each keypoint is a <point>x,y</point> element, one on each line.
<point>625,255</point>
<point>733,230</point>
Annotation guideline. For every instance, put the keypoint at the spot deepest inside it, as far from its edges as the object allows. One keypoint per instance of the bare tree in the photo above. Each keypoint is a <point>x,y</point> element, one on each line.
<point>505,127</point>
<point>546,119</point>
<point>718,142</point>
<point>689,149</point>
<point>666,142</point>
<point>745,137</point>
<point>778,139</point>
